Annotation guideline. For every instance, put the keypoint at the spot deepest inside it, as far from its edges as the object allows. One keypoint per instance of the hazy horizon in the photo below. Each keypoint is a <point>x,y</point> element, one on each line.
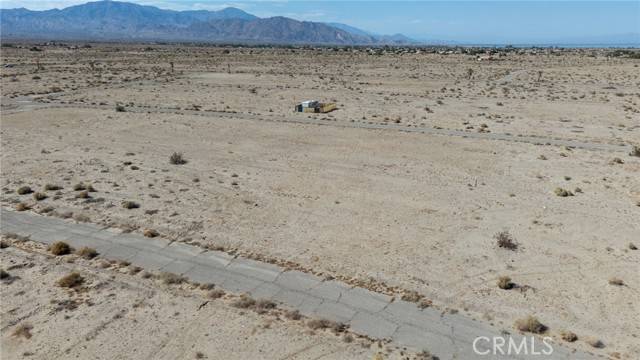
<point>465,22</point>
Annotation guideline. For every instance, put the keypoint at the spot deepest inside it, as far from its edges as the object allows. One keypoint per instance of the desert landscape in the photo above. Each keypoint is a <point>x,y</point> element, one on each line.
<point>498,184</point>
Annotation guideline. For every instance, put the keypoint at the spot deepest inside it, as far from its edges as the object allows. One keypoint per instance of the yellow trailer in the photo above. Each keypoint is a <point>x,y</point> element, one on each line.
<point>327,107</point>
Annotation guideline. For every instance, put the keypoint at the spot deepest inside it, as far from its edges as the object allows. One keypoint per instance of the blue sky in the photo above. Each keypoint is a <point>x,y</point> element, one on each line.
<point>467,21</point>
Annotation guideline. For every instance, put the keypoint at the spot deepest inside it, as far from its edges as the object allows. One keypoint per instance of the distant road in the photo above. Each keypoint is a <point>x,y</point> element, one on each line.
<point>26,104</point>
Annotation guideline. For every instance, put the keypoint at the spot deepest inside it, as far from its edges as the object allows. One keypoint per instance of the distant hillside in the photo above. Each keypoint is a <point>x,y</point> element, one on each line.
<point>397,39</point>
<point>118,21</point>
<point>350,29</point>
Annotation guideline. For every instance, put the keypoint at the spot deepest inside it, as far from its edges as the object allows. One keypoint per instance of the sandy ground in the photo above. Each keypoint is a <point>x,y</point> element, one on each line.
<point>117,315</point>
<point>404,210</point>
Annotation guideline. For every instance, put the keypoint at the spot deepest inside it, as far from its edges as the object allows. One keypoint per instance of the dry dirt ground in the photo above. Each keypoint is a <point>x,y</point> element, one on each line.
<point>395,210</point>
<point>117,314</point>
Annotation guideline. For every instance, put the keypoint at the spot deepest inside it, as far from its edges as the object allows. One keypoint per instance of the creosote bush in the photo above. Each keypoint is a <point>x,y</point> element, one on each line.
<point>38,196</point>
<point>504,282</point>
<point>292,314</point>
<point>215,294</point>
<point>70,280</point>
<point>130,204</point>
<point>411,296</point>
<point>177,159</point>
<point>59,248</point>
<point>596,343</point>
<point>562,192</point>
<point>530,324</point>
<point>52,187</point>
<point>616,281</point>
<point>87,252</point>
<point>23,330</point>
<point>317,324</point>
<point>568,336</point>
<point>505,241</point>
<point>262,306</point>
<point>171,278</point>
<point>243,302</point>
<point>24,190</point>
<point>22,207</point>
<point>150,233</point>
<point>83,195</point>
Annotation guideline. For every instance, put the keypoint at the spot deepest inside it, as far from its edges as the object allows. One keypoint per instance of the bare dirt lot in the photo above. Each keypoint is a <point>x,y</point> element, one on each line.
<point>348,194</point>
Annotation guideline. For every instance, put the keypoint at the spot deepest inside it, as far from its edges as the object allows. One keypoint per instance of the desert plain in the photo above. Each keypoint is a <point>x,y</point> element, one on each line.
<point>431,157</point>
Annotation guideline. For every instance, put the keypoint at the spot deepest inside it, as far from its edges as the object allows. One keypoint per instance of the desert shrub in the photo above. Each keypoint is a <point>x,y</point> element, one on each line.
<point>83,195</point>
<point>635,151</point>
<point>87,252</point>
<point>81,218</point>
<point>24,190</point>
<point>206,286</point>
<point>568,336</point>
<point>150,233</point>
<point>262,305</point>
<point>411,296</point>
<point>562,192</point>
<point>52,187</point>
<point>177,159</point>
<point>23,330</point>
<point>616,281</point>
<point>47,209</point>
<point>171,278</point>
<point>530,324</point>
<point>504,282</point>
<point>292,314</point>
<point>243,302</point>
<point>425,303</point>
<point>317,324</point>
<point>79,187</point>
<point>505,240</point>
<point>616,160</point>
<point>596,343</point>
<point>59,248</point>
<point>130,204</point>
<point>215,294</point>
<point>4,274</point>
<point>22,207</point>
<point>120,108</point>
<point>38,196</point>
<point>70,280</point>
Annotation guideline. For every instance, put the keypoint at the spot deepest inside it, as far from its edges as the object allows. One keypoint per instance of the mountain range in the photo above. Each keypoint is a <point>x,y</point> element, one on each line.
<point>120,21</point>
